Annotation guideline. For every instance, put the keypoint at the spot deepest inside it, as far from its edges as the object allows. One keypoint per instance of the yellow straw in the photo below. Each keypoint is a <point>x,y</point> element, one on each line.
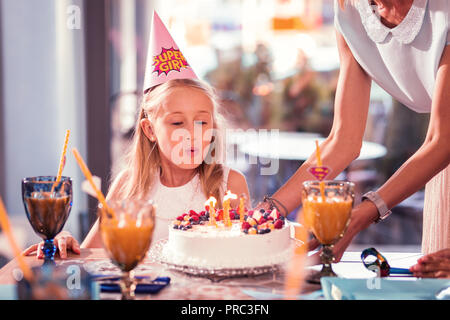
<point>62,161</point>
<point>319,164</point>
<point>88,176</point>
<point>4,222</point>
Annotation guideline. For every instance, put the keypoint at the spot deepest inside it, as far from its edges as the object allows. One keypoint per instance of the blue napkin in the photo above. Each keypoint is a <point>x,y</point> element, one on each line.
<point>154,286</point>
<point>8,292</point>
<point>268,295</point>
<point>381,288</point>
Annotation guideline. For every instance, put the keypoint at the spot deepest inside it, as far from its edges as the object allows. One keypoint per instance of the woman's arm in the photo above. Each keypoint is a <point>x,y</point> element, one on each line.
<point>434,154</point>
<point>432,157</point>
<point>343,144</point>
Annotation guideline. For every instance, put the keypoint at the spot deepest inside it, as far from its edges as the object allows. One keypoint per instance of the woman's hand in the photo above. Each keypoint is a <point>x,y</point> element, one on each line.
<point>433,265</point>
<point>63,241</point>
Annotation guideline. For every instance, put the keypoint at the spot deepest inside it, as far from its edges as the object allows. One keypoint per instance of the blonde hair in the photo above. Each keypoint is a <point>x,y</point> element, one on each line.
<point>144,159</point>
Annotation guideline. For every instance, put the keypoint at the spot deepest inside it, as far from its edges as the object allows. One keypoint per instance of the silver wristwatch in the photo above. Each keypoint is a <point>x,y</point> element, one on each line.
<point>382,208</point>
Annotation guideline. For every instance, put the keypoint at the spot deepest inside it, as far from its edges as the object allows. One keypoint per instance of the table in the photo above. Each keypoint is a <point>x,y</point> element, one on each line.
<point>184,287</point>
<point>296,146</point>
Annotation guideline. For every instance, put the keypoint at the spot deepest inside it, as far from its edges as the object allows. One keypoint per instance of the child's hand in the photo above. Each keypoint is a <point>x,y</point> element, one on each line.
<point>64,241</point>
<point>433,265</point>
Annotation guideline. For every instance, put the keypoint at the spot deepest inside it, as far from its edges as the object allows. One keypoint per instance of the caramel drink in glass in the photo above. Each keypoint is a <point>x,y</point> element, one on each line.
<point>327,208</point>
<point>126,229</point>
<point>47,205</point>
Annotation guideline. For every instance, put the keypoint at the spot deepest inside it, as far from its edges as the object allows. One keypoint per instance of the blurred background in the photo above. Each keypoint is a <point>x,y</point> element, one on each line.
<point>79,65</point>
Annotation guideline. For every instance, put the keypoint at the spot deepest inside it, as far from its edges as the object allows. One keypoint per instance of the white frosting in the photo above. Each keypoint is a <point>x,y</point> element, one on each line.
<point>217,248</point>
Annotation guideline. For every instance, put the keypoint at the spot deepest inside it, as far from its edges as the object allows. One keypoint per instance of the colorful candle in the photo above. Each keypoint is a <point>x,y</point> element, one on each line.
<point>210,206</point>
<point>226,208</point>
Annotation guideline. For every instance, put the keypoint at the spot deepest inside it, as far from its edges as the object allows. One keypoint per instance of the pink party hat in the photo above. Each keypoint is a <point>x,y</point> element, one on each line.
<point>164,60</point>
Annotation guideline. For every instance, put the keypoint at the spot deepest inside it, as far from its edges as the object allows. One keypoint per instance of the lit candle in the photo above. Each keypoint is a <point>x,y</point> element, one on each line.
<point>226,208</point>
<point>211,203</point>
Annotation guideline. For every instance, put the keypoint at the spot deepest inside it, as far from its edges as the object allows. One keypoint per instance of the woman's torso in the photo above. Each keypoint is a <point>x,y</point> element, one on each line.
<point>403,60</point>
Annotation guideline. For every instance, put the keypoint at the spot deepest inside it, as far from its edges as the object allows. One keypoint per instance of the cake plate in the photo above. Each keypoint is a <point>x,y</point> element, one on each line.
<point>213,274</point>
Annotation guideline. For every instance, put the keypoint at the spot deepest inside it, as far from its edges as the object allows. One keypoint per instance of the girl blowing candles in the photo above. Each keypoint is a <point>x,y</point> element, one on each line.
<point>174,156</point>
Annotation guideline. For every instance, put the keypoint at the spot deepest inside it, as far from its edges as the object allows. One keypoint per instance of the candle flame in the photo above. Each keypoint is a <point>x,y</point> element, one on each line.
<point>211,200</point>
<point>229,195</point>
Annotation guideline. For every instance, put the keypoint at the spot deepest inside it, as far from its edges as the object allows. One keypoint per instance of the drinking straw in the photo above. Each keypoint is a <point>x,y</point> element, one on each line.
<point>4,222</point>
<point>62,161</point>
<point>88,175</point>
<point>319,164</point>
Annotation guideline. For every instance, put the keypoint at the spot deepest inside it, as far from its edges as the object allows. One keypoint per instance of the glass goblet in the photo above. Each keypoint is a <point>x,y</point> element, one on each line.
<point>47,205</point>
<point>327,208</point>
<point>126,230</point>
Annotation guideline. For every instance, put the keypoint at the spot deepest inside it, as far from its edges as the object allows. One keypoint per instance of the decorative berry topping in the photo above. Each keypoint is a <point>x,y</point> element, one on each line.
<point>202,213</point>
<point>262,210</point>
<point>219,215</point>
<point>262,220</point>
<point>245,225</point>
<point>195,218</point>
<point>263,226</point>
<point>192,212</point>
<point>175,226</point>
<point>232,215</point>
<point>252,221</point>
<point>180,218</point>
<point>257,215</point>
<point>186,218</point>
<point>250,213</point>
<point>275,214</point>
<point>246,231</point>
<point>278,224</point>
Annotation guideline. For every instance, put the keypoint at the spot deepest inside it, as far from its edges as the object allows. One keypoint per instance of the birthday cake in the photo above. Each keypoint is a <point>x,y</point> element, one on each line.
<point>228,241</point>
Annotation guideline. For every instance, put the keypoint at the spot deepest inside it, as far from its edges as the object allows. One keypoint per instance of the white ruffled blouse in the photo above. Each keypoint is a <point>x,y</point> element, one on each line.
<point>402,60</point>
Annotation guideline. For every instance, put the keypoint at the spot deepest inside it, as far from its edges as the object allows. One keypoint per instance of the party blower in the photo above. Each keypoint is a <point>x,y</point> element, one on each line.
<point>373,260</point>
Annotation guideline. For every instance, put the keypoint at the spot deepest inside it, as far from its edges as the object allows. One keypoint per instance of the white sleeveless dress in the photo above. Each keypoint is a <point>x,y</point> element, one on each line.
<point>404,61</point>
<point>171,202</point>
